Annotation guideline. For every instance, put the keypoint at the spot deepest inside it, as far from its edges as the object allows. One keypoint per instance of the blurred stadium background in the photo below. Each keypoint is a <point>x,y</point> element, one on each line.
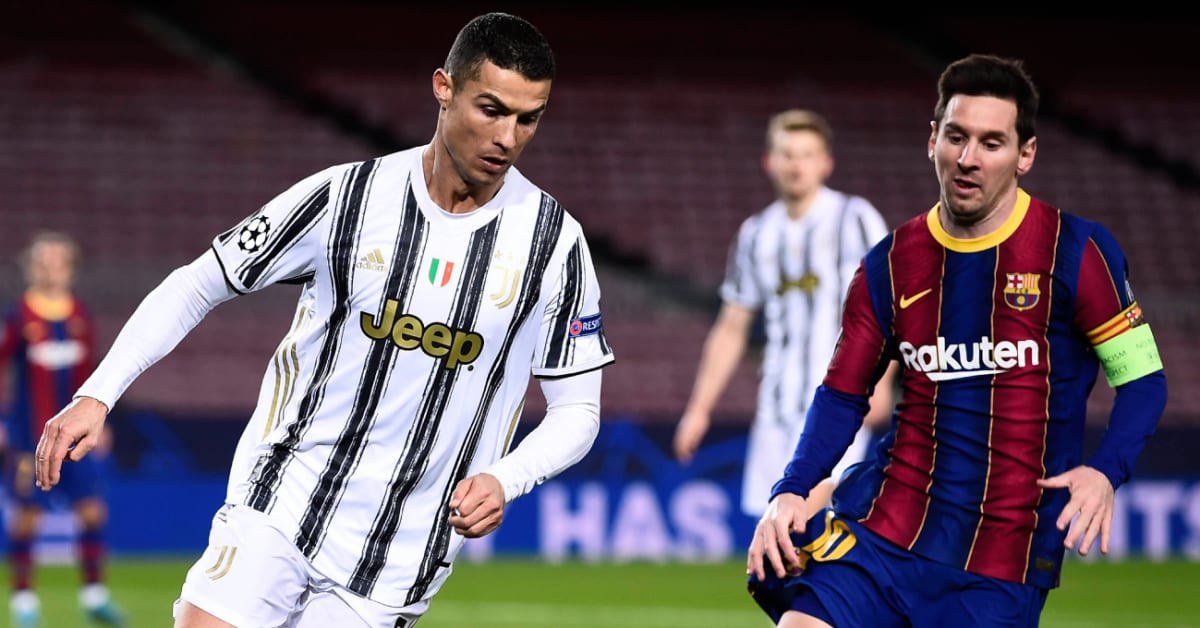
<point>146,128</point>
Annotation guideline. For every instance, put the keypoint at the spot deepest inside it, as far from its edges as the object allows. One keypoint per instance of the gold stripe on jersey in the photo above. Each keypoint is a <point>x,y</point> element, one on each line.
<point>1127,319</point>
<point>512,426</point>
<point>286,356</point>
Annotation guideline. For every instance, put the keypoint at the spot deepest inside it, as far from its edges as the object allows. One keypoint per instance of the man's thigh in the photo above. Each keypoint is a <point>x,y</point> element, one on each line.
<point>250,574</point>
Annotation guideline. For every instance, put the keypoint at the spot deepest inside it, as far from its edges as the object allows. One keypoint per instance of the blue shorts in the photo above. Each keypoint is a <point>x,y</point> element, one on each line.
<point>77,481</point>
<point>853,577</point>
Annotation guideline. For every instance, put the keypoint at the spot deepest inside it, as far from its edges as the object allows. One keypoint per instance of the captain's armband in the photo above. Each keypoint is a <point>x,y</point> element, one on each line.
<point>1129,356</point>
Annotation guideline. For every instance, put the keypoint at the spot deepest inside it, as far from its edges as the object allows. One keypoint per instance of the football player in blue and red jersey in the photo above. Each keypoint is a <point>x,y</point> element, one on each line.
<point>1001,309</point>
<point>47,344</point>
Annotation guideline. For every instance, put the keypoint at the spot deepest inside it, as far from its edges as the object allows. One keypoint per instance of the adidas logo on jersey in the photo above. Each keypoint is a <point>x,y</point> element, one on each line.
<point>372,261</point>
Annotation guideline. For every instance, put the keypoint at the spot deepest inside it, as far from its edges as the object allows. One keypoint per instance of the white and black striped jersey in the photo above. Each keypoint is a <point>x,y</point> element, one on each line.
<point>408,360</point>
<point>797,273</point>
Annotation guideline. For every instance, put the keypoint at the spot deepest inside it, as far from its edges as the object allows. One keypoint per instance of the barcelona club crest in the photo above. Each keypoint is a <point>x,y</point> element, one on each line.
<point>1021,290</point>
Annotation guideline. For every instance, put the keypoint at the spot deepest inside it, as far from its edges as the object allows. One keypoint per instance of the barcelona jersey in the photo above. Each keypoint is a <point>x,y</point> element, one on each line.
<point>995,337</point>
<point>48,354</point>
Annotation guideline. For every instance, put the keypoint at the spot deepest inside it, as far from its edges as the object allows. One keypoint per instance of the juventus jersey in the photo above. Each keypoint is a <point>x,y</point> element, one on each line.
<point>407,361</point>
<point>797,273</point>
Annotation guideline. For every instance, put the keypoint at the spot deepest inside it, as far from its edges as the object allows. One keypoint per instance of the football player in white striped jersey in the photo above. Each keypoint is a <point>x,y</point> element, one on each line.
<point>434,282</point>
<point>792,261</point>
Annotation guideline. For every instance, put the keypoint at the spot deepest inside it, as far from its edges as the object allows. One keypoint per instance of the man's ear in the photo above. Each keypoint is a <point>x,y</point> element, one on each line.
<point>443,87</point>
<point>1025,159</point>
<point>932,138</point>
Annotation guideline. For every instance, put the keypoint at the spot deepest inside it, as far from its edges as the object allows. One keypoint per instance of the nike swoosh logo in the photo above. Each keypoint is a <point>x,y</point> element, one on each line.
<point>947,376</point>
<point>907,301</point>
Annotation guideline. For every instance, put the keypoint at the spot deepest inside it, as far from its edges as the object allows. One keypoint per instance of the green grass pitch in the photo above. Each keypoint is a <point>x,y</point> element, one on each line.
<point>532,594</point>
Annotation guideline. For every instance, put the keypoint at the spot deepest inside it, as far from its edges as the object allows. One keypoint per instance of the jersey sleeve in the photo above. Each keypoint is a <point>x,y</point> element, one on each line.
<point>860,356</point>
<point>1108,313</point>
<point>279,242</point>
<point>739,285</point>
<point>571,334</point>
<point>1106,310</point>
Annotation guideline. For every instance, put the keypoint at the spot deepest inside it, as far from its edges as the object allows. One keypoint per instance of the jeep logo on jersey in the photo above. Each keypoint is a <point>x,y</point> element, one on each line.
<point>440,271</point>
<point>943,362</point>
<point>436,340</point>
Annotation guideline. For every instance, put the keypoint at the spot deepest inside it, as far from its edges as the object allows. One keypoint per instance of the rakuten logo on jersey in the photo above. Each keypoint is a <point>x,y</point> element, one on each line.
<point>942,362</point>
<point>56,354</point>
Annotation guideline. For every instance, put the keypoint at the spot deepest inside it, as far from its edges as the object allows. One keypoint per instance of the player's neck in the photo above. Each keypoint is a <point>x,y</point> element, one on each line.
<point>50,303</point>
<point>798,206</point>
<point>448,189</point>
<point>982,225</point>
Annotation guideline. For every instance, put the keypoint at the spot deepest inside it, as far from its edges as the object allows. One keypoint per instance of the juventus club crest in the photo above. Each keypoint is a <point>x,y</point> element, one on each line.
<point>1021,290</point>
<point>509,270</point>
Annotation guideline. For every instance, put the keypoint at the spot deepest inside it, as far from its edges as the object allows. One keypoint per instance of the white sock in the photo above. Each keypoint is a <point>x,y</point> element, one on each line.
<point>93,595</point>
<point>24,602</point>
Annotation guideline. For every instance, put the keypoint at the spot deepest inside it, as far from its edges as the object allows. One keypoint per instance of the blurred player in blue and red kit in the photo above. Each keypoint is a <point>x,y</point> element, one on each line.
<point>1002,309</point>
<point>47,344</point>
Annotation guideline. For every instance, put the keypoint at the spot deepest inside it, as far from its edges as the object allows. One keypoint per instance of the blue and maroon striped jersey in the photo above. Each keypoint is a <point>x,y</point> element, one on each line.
<point>49,358</point>
<point>995,336</point>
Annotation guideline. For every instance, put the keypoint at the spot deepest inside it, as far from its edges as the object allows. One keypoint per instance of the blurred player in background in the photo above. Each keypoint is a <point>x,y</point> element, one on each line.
<point>1002,309</point>
<point>792,261</point>
<point>47,346</point>
<point>434,281</point>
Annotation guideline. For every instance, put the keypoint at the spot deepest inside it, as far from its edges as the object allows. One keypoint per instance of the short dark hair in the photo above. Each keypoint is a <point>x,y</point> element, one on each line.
<point>991,75</point>
<point>510,42</point>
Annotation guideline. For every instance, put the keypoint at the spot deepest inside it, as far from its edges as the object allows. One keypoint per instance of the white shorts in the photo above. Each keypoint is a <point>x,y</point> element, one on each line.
<point>769,449</point>
<point>252,576</point>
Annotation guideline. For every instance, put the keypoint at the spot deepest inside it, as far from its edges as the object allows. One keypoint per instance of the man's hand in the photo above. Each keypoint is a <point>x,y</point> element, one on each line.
<point>477,506</point>
<point>688,434</point>
<point>70,435</point>
<point>785,514</point>
<point>1092,497</point>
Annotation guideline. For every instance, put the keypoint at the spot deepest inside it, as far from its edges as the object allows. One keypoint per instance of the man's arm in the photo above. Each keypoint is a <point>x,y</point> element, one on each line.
<point>563,438</point>
<point>164,318</point>
<point>883,400</point>
<point>1114,324</point>
<point>723,349</point>
<point>837,412</point>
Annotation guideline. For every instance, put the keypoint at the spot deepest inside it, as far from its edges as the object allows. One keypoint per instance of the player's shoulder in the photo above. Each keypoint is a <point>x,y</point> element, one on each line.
<point>1075,225</point>
<point>853,202</point>
<point>775,211</point>
<point>401,159</point>
<point>533,202</point>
